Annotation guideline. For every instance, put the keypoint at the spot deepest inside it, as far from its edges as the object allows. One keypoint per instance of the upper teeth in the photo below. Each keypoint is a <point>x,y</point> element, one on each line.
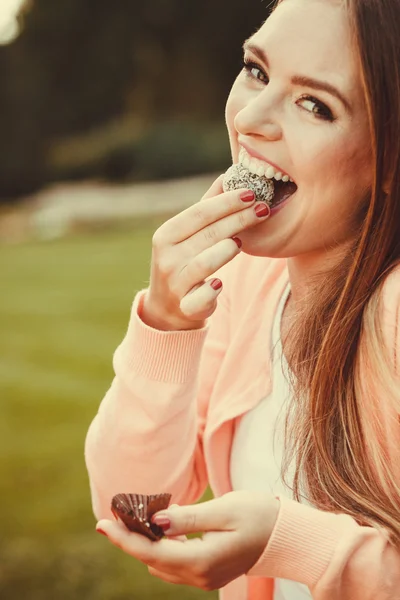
<point>261,167</point>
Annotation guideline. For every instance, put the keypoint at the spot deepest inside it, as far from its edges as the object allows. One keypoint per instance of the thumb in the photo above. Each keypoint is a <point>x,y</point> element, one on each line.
<point>180,538</point>
<point>206,516</point>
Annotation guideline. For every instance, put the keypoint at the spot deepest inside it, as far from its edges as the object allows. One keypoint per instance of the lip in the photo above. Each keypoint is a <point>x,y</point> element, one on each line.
<point>256,154</point>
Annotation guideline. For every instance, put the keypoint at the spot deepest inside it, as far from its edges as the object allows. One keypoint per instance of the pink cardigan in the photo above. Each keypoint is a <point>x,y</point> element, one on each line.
<point>166,425</point>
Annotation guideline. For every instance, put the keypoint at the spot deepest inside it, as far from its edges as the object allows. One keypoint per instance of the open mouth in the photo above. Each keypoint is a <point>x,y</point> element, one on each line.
<point>266,189</point>
<point>269,184</point>
<point>282,191</point>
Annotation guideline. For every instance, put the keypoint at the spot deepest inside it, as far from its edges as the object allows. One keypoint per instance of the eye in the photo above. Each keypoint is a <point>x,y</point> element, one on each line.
<point>254,71</point>
<point>316,107</point>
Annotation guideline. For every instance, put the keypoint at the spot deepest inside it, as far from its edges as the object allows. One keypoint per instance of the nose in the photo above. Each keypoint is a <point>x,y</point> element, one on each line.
<point>257,118</point>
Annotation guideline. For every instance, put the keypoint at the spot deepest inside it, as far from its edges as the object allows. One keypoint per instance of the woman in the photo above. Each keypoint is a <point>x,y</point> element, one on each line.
<point>283,394</point>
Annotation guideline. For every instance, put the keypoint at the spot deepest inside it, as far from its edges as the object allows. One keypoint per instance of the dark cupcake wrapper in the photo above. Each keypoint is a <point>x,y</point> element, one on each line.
<point>136,510</point>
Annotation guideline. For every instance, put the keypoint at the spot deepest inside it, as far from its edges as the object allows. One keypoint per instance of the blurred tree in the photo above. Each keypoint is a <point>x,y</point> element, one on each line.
<point>80,64</point>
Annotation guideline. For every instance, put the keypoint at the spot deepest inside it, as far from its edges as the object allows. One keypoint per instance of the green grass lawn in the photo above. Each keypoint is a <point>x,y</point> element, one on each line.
<point>64,307</point>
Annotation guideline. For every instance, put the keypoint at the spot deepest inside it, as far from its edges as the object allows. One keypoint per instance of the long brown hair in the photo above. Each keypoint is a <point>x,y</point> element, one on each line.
<point>336,431</point>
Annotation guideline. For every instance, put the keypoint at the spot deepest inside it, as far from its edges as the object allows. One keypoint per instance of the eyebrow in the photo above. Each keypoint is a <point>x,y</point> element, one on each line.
<point>302,80</point>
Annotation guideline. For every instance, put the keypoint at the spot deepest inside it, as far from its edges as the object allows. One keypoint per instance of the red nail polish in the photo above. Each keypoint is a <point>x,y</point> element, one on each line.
<point>238,242</point>
<point>262,210</point>
<point>163,522</point>
<point>216,284</point>
<point>102,532</point>
<point>247,196</point>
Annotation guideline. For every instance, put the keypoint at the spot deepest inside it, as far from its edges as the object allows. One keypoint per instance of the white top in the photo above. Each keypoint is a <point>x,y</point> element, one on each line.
<point>258,445</point>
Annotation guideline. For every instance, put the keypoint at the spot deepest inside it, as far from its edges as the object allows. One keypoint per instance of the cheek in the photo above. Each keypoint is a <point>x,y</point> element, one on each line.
<point>341,166</point>
<point>356,177</point>
<point>342,192</point>
<point>359,165</point>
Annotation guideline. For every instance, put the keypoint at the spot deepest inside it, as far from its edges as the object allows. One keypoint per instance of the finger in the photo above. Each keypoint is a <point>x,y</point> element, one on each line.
<point>215,189</point>
<point>165,554</point>
<point>201,303</point>
<point>178,538</point>
<point>225,228</point>
<point>200,215</point>
<point>168,577</point>
<point>132,543</point>
<point>199,293</point>
<point>207,262</point>
<point>206,516</point>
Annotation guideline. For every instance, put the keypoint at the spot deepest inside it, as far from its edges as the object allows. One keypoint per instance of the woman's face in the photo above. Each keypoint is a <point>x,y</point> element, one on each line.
<point>315,131</point>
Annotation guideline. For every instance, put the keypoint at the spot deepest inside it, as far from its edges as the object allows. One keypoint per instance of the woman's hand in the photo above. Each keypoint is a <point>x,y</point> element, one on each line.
<point>188,249</point>
<point>236,527</point>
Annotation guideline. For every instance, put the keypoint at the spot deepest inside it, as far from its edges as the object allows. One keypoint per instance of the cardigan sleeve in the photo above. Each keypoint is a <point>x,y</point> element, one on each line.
<point>331,553</point>
<point>147,435</point>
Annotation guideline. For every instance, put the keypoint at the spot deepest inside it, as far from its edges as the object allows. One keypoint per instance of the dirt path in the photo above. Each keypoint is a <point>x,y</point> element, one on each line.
<point>57,210</point>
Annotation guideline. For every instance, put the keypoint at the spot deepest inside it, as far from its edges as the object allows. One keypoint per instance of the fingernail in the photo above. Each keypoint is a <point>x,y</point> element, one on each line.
<point>262,210</point>
<point>216,284</point>
<point>238,242</point>
<point>162,522</point>
<point>247,196</point>
<point>102,532</point>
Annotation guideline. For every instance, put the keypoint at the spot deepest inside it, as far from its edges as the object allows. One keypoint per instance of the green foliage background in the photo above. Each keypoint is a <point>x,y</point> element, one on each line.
<point>65,311</point>
<point>90,84</point>
<point>120,91</point>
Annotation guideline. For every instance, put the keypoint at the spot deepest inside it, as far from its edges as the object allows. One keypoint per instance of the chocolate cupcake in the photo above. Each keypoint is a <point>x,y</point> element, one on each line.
<point>136,510</point>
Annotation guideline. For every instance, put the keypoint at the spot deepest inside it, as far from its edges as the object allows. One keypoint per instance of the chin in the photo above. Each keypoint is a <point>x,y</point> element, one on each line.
<point>260,242</point>
<point>254,245</point>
